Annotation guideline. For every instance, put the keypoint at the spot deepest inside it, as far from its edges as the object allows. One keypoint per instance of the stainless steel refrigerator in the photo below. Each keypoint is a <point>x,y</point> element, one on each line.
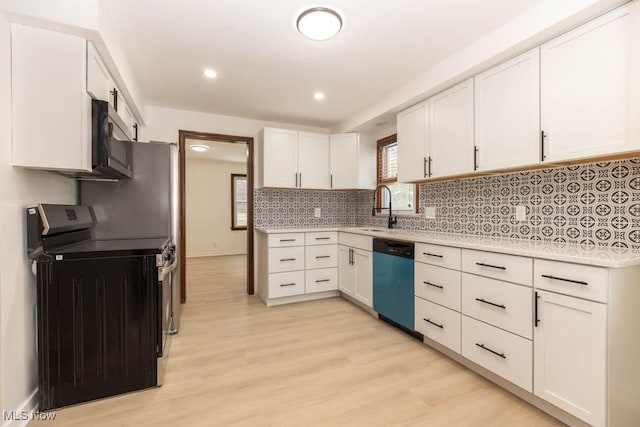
<point>145,206</point>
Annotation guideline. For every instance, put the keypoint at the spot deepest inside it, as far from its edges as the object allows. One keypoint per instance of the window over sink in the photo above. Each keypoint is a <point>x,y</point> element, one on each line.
<point>403,196</point>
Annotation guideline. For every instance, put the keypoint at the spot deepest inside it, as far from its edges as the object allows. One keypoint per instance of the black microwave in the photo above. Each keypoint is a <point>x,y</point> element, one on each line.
<point>111,150</point>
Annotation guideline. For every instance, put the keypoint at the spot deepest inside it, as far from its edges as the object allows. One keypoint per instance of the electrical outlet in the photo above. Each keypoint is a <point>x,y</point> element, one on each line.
<point>317,212</point>
<point>430,212</point>
<point>521,213</point>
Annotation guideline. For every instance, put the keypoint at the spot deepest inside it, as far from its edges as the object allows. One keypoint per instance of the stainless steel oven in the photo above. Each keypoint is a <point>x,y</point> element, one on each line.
<point>166,263</point>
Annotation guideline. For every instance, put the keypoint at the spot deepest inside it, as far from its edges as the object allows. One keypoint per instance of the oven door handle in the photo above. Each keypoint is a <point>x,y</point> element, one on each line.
<point>163,271</point>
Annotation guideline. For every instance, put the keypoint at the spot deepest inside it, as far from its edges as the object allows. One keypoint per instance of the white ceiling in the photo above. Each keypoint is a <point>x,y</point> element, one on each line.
<point>218,150</point>
<point>267,70</point>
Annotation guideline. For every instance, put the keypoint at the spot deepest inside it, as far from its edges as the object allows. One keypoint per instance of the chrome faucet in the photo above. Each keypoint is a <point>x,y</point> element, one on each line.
<point>392,221</point>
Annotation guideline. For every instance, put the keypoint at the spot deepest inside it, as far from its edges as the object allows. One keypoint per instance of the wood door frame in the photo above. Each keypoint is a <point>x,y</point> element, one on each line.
<point>183,135</point>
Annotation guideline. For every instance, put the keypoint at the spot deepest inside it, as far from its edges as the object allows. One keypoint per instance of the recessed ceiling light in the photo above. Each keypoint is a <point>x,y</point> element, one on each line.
<point>318,96</point>
<point>199,148</point>
<point>210,73</point>
<point>319,23</point>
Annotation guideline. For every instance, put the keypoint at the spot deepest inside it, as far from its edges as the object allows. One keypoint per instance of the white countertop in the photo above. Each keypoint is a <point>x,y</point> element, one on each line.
<point>601,257</point>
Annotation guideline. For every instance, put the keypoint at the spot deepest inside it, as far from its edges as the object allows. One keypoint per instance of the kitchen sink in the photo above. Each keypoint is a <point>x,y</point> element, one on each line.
<point>369,229</point>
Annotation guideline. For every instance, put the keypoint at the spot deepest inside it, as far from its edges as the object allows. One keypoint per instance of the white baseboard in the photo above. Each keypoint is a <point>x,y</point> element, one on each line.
<point>21,416</point>
<point>214,253</point>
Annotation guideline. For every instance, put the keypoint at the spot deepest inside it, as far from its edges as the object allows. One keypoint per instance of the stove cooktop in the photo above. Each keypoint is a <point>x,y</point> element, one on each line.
<point>114,247</point>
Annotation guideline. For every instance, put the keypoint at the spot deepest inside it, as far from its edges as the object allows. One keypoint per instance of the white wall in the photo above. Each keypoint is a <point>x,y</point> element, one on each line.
<point>208,217</point>
<point>18,188</point>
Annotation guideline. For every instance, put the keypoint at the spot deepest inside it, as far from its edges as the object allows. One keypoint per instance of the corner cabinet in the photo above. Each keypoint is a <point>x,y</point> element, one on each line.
<point>355,267</point>
<point>51,110</point>
<point>507,114</point>
<point>352,162</point>
<point>590,88</point>
<point>435,138</point>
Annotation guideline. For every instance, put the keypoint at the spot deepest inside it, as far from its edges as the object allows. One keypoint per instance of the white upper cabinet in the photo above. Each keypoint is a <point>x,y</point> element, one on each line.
<point>413,143</point>
<point>451,131</point>
<point>590,88</point>
<point>313,160</point>
<point>279,150</point>
<point>507,113</point>
<point>351,162</point>
<point>51,110</point>
<point>99,82</point>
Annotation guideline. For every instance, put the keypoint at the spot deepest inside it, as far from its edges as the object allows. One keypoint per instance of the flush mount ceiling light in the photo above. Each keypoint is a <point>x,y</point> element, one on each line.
<point>210,73</point>
<point>318,96</point>
<point>199,148</point>
<point>319,23</point>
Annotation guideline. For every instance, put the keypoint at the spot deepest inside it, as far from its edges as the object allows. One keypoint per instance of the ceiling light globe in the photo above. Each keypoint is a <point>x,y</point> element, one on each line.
<point>319,23</point>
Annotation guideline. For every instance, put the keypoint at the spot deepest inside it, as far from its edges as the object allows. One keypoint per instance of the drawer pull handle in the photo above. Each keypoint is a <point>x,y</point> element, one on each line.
<point>535,311</point>
<point>482,346</point>
<point>323,238</point>
<point>287,240</point>
<point>491,303</point>
<point>323,280</point>
<point>323,256</point>
<point>577,282</point>
<point>287,259</point>
<point>434,285</point>
<point>482,264</point>
<point>288,284</point>
<point>434,323</point>
<point>433,255</point>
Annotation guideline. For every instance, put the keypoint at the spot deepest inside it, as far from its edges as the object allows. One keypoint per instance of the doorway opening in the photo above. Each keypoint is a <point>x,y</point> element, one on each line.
<point>221,220</point>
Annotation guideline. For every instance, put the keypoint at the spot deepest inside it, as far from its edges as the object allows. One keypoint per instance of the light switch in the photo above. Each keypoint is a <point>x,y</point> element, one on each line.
<point>317,212</point>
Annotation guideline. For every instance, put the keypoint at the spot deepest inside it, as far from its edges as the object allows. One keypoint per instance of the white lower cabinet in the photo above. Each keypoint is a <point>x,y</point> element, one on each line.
<point>438,323</point>
<point>286,284</point>
<point>570,355</point>
<point>355,266</point>
<point>321,280</point>
<point>499,351</point>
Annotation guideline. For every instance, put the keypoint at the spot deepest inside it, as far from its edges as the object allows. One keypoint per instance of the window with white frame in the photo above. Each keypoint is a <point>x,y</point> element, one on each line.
<point>403,196</point>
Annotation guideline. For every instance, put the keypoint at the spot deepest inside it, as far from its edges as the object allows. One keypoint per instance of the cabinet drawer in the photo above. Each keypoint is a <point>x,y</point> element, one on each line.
<point>286,239</point>
<point>582,281</point>
<point>324,279</point>
<point>501,304</point>
<point>511,268</point>
<point>438,323</point>
<point>286,284</point>
<point>443,256</point>
<point>356,241</point>
<point>322,256</point>
<point>437,284</point>
<point>321,238</point>
<point>501,352</point>
<point>286,259</point>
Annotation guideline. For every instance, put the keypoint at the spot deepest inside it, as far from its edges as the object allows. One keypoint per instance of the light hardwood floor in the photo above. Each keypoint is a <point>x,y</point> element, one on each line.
<point>237,362</point>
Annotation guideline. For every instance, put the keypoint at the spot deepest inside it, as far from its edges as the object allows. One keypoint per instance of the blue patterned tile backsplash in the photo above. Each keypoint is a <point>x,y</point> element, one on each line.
<point>594,205</point>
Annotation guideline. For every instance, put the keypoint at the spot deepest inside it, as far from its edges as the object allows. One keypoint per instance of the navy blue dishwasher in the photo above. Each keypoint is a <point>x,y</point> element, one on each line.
<point>393,293</point>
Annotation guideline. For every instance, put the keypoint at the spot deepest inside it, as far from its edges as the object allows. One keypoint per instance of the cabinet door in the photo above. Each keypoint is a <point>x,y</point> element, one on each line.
<point>313,160</point>
<point>570,355</point>
<point>507,113</point>
<point>590,99</point>
<point>280,159</point>
<point>343,161</point>
<point>364,276</point>
<point>51,110</point>
<point>413,143</point>
<point>451,134</point>
<point>98,77</point>
<point>346,271</point>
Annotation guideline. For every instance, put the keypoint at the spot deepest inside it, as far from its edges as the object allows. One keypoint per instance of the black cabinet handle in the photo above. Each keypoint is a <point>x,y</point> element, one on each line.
<point>482,264</point>
<point>287,240</point>
<point>475,158</point>
<point>287,259</point>
<point>535,309</point>
<point>288,284</point>
<point>323,280</point>
<point>135,132</point>
<point>430,165</point>
<point>323,238</point>
<point>434,323</point>
<point>433,255</point>
<point>542,137</point>
<point>577,282</point>
<point>482,346</point>
<point>434,285</point>
<point>323,256</point>
<point>491,303</point>
<point>114,92</point>
<point>300,179</point>
<point>331,179</point>
<point>424,167</point>
<point>350,256</point>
